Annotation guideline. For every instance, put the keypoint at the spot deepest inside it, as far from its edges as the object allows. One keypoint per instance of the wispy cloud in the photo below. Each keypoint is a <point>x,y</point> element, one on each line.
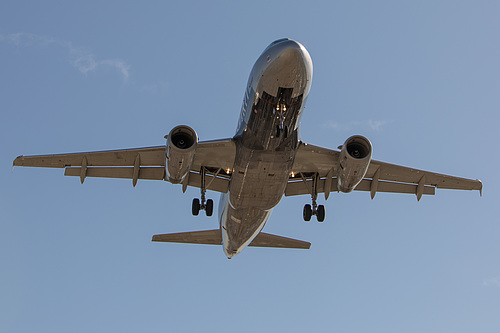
<point>377,125</point>
<point>374,125</point>
<point>337,126</point>
<point>82,59</point>
<point>493,282</point>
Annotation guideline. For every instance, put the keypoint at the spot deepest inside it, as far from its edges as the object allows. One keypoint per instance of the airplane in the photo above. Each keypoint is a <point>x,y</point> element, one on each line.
<point>264,161</point>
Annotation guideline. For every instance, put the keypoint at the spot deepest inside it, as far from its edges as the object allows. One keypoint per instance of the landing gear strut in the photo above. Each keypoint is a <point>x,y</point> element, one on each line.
<point>280,112</point>
<point>206,205</point>
<point>319,211</point>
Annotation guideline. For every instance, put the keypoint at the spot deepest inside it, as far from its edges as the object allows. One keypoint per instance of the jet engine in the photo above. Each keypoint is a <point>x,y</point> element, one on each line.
<point>354,160</point>
<point>181,145</point>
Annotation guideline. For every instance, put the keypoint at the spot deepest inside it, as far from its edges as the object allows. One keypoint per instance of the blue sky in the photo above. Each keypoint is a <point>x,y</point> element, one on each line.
<point>419,79</point>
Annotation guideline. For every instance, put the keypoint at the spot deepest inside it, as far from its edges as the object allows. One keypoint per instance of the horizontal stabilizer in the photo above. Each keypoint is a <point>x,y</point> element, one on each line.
<point>214,237</point>
<point>268,240</point>
<point>209,237</point>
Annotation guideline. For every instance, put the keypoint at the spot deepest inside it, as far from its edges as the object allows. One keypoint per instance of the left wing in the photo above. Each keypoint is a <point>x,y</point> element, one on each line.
<point>380,177</point>
<point>139,163</point>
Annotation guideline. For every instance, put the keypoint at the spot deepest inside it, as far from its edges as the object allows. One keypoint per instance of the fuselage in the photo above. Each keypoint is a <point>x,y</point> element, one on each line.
<point>267,138</point>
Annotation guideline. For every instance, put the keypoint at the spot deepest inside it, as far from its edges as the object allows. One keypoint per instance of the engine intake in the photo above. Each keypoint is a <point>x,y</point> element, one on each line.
<point>355,158</point>
<point>181,145</point>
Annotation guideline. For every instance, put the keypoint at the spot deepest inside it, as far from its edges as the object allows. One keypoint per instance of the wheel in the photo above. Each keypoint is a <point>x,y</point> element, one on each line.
<point>285,132</point>
<point>196,206</point>
<point>278,131</point>
<point>307,213</point>
<point>209,209</point>
<point>320,214</point>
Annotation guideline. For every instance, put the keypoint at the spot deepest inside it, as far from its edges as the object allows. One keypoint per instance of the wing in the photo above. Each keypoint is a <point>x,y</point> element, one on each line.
<point>141,163</point>
<point>380,177</point>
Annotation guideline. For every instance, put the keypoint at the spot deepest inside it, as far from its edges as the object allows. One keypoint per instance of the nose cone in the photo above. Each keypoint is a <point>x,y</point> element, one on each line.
<point>284,63</point>
<point>290,52</point>
<point>282,44</point>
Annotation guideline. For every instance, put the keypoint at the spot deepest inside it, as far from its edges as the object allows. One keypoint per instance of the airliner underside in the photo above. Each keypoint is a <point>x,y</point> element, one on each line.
<point>263,161</point>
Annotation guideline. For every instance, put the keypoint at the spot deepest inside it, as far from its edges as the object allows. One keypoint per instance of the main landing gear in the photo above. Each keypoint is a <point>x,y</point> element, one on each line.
<point>319,211</point>
<point>206,205</point>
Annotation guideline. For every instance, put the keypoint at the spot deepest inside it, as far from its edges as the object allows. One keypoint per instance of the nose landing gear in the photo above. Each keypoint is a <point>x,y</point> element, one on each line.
<point>280,113</point>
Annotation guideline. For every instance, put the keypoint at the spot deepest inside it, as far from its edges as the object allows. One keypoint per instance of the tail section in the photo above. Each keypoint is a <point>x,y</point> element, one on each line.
<point>268,240</point>
<point>214,237</point>
<point>209,237</point>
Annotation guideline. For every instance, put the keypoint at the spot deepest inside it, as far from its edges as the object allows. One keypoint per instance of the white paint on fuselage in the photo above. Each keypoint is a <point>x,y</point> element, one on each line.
<point>284,63</point>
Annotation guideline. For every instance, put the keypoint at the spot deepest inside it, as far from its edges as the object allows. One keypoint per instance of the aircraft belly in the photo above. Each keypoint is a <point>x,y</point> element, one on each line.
<point>240,226</point>
<point>257,185</point>
<point>259,178</point>
<point>266,142</point>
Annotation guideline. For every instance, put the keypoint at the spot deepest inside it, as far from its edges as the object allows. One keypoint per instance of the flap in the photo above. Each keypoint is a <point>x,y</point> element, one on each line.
<point>215,153</point>
<point>298,187</point>
<point>213,182</point>
<point>151,173</point>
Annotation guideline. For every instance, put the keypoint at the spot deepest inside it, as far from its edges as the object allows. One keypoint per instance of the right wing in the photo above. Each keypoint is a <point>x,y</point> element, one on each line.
<point>380,177</point>
<point>141,163</point>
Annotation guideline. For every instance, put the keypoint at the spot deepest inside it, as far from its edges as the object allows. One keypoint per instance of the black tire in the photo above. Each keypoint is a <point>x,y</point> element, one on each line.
<point>320,214</point>
<point>307,213</point>
<point>278,131</point>
<point>196,207</point>
<point>209,209</point>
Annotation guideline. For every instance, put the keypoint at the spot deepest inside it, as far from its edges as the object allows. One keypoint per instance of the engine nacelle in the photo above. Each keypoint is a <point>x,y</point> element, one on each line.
<point>181,145</point>
<point>355,158</point>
